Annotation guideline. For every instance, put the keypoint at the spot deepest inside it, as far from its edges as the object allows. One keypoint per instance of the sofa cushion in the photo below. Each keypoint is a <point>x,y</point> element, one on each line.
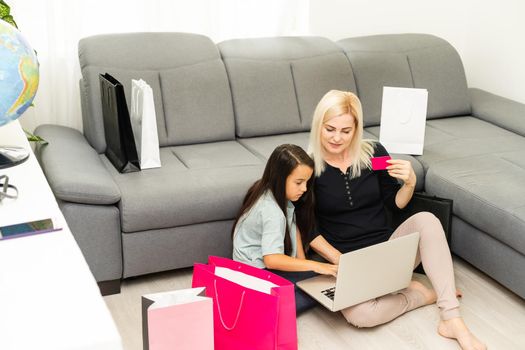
<point>215,155</point>
<point>196,184</point>
<point>373,71</point>
<point>439,70</point>
<point>263,146</point>
<point>197,104</point>
<point>315,76</point>
<point>408,60</point>
<point>144,55</point>
<point>277,82</point>
<point>463,137</point>
<point>488,193</point>
<point>263,106</point>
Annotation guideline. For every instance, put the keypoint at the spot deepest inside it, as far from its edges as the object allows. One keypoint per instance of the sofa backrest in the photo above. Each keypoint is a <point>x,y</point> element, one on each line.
<point>277,82</point>
<point>408,60</point>
<point>190,86</point>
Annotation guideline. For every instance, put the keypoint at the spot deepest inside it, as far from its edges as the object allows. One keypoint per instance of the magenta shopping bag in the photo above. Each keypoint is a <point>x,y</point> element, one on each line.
<point>252,308</point>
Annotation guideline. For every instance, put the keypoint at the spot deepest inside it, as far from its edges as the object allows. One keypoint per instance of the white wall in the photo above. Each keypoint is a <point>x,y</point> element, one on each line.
<point>489,36</point>
<point>54,27</point>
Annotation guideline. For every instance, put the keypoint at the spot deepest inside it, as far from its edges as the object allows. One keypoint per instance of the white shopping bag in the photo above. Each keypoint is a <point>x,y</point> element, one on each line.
<point>144,124</point>
<point>403,117</point>
<point>245,280</point>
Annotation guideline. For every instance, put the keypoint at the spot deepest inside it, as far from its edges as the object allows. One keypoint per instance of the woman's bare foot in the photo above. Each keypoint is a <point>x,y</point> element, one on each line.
<point>429,294</point>
<point>455,328</point>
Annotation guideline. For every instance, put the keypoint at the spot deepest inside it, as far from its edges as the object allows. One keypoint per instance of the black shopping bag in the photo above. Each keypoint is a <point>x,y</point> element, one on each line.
<point>440,207</point>
<point>120,143</point>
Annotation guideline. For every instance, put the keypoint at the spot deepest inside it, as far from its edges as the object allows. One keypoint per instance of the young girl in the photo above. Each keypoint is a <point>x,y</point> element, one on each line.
<point>270,230</point>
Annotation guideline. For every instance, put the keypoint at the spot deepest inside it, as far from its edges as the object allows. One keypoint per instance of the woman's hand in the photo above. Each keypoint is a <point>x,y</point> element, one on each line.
<point>402,169</point>
<point>325,268</point>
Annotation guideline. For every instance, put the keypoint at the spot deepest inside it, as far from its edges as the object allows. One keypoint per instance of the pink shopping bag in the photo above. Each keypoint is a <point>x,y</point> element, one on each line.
<point>180,319</point>
<point>245,318</point>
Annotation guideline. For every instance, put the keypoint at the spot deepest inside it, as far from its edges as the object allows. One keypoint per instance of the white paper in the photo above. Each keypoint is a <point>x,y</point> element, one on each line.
<point>403,117</point>
<point>144,124</point>
<point>245,280</point>
<point>175,297</point>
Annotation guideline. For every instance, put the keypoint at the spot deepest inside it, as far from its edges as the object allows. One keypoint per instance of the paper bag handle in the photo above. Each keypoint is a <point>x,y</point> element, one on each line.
<point>219,308</point>
<point>136,94</point>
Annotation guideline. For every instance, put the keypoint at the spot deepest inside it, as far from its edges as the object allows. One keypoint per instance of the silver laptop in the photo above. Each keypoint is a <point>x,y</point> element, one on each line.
<point>366,273</point>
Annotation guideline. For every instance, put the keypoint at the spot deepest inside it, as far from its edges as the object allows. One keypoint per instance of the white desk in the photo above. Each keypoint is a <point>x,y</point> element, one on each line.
<point>48,296</point>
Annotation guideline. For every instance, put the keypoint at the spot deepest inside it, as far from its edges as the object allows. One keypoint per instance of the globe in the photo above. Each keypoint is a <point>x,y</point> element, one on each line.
<point>18,73</point>
<point>18,85</point>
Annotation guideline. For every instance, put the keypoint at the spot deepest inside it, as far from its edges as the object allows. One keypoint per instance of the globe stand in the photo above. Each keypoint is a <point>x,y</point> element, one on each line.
<point>12,155</point>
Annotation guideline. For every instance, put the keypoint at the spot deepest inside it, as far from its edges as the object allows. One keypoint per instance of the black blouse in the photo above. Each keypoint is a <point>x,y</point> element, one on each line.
<point>350,213</point>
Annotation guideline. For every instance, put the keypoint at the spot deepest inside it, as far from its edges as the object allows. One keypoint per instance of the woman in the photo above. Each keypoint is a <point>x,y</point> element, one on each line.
<point>350,200</point>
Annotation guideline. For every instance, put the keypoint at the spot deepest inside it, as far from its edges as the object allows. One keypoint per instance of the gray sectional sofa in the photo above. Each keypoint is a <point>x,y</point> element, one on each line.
<point>222,108</point>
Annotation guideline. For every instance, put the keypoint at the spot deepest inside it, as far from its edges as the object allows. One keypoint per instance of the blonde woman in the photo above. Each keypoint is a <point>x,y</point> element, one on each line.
<point>350,200</point>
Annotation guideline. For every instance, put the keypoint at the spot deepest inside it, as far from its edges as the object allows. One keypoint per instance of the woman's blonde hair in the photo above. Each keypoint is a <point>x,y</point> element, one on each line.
<point>335,103</point>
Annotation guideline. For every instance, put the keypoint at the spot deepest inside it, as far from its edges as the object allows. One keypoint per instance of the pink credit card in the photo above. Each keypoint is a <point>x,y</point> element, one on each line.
<point>379,163</point>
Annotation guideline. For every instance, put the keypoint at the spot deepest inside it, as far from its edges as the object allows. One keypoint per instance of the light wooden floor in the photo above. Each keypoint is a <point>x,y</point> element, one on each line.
<point>496,315</point>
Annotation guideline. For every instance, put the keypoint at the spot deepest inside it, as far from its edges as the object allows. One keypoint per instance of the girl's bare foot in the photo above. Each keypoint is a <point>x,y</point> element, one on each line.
<point>455,328</point>
<point>429,294</point>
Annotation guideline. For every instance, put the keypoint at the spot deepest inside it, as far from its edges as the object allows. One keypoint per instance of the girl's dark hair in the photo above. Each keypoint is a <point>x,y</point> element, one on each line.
<point>283,160</point>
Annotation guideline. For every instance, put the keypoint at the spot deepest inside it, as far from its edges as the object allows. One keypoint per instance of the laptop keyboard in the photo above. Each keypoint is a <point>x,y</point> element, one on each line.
<point>329,292</point>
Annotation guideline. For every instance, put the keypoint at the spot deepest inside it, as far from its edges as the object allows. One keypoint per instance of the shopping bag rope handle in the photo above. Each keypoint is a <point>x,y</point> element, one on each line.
<point>219,308</point>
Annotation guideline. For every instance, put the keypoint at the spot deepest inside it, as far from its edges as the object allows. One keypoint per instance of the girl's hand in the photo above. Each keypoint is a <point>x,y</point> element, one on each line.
<point>325,269</point>
<point>402,169</point>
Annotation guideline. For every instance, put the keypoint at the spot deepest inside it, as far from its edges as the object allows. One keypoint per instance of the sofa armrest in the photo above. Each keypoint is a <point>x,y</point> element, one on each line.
<point>73,168</point>
<point>498,110</point>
